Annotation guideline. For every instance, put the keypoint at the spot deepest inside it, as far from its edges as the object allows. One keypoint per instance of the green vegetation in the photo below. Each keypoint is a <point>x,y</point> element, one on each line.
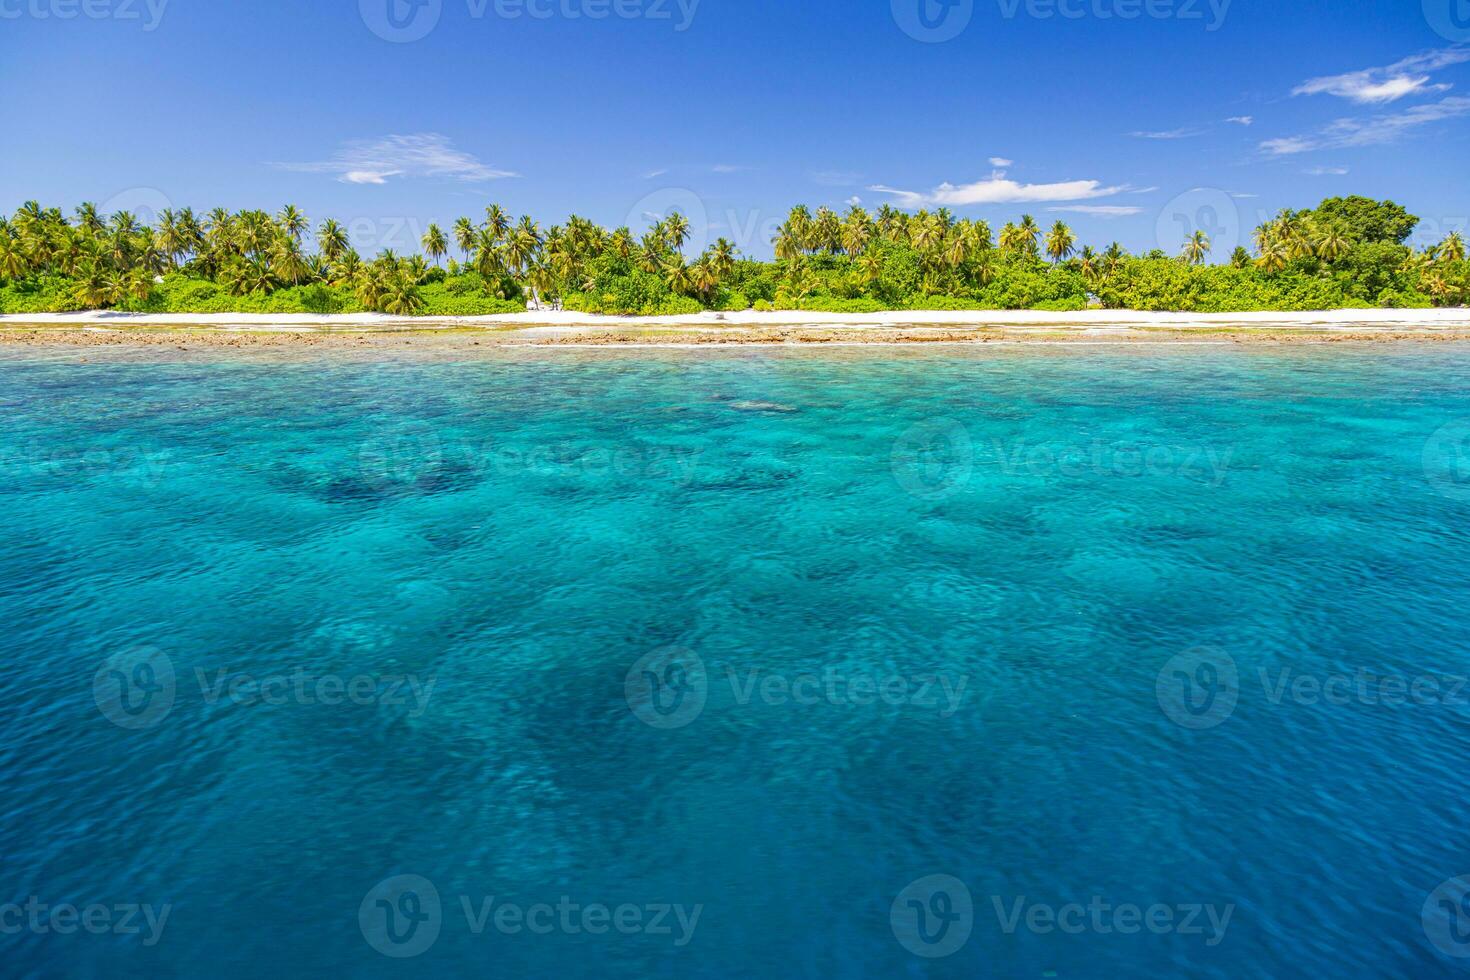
<point>1346,253</point>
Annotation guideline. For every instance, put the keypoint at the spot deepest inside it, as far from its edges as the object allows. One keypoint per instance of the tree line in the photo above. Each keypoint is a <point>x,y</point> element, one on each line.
<point>1345,252</point>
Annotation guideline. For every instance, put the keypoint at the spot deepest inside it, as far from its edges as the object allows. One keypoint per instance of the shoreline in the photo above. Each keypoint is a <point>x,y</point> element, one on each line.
<point>1430,319</point>
<point>466,336</point>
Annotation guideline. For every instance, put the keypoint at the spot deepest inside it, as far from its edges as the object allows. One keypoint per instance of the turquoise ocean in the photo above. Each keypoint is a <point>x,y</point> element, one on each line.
<point>1095,661</point>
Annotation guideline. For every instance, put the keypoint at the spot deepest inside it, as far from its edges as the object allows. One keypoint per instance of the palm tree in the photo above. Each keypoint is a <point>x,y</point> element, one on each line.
<point>219,229</point>
<point>190,232</point>
<point>799,228</point>
<point>543,284</point>
<point>138,285</point>
<point>98,287</point>
<point>318,269</point>
<point>400,297</point>
<point>1196,249</point>
<point>1089,265</point>
<point>249,275</point>
<point>857,231</point>
<point>488,255</point>
<point>465,237</point>
<point>676,231</point>
<point>497,221</point>
<point>1332,242</point>
<point>287,261</point>
<point>416,269</point>
<point>293,222</point>
<point>30,218</point>
<point>888,218</point>
<point>256,232</point>
<point>978,234</point>
<point>1290,231</point>
<point>722,258</point>
<point>676,275</point>
<point>522,244</point>
<point>120,239</point>
<point>12,263</point>
<point>1060,242</point>
<point>801,281</point>
<point>1452,249</point>
<point>167,239</point>
<point>827,231</point>
<point>788,244</point>
<point>346,268</point>
<point>1438,286</point>
<point>985,268</point>
<point>331,240</point>
<point>1012,241</point>
<point>648,256</point>
<point>957,250</point>
<point>928,233</point>
<point>436,246</point>
<point>622,244</point>
<point>1275,255</point>
<point>87,217</point>
<point>369,287</point>
<point>1028,233</point>
<point>704,278</point>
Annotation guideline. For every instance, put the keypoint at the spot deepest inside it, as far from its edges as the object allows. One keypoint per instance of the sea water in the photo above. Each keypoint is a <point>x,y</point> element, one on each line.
<point>931,663</point>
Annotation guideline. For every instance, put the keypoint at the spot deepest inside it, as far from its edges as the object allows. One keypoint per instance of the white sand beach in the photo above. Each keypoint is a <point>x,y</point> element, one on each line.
<point>1090,320</point>
<point>373,334</point>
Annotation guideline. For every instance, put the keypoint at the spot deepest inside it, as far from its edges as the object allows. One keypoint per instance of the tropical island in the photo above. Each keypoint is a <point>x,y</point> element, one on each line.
<point>1345,254</point>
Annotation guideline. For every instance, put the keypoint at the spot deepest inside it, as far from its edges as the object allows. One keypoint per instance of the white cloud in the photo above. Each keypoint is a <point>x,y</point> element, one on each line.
<point>1376,86</point>
<point>1168,134</point>
<point>654,174</point>
<point>1288,145</point>
<point>1001,162</point>
<point>1326,172</point>
<point>726,168</point>
<point>998,190</point>
<point>368,177</point>
<point>854,201</point>
<point>1099,210</point>
<point>418,155</point>
<point>1368,92</point>
<point>1242,120</point>
<point>1373,131</point>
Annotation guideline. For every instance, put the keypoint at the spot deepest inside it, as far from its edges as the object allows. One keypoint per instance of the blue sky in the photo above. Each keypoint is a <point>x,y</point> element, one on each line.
<point>1118,112</point>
